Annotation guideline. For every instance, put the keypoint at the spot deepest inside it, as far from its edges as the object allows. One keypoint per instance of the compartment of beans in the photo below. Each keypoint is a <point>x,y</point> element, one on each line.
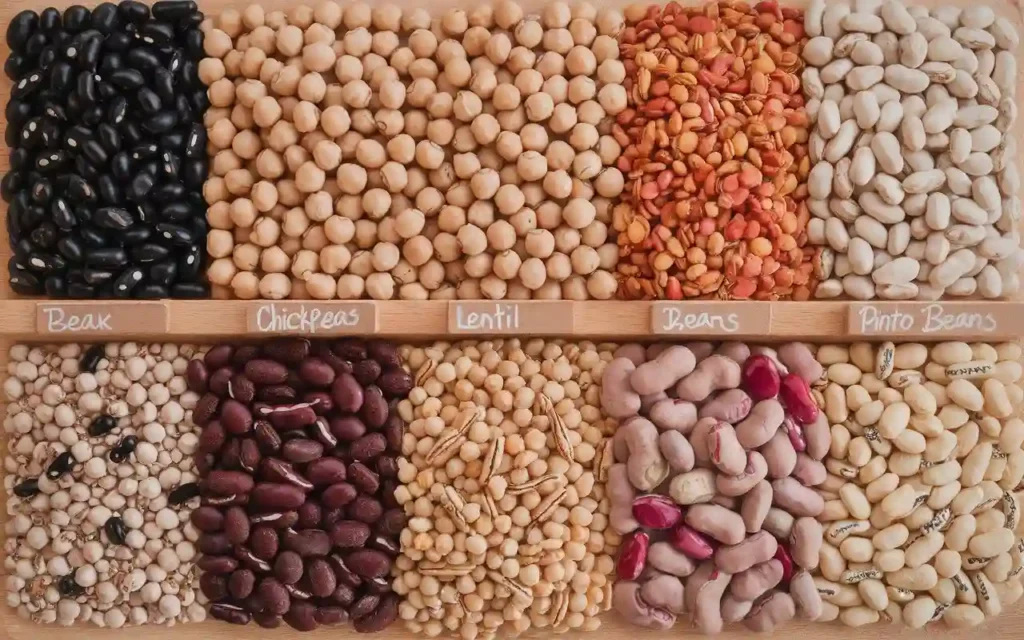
<point>717,452</point>
<point>298,457</point>
<point>100,485</point>
<point>108,151</point>
<point>381,152</point>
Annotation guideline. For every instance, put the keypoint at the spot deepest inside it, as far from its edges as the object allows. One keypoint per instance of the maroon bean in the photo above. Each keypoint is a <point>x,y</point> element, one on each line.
<point>369,563</point>
<point>251,560</point>
<point>230,613</point>
<point>386,353</point>
<point>219,381</point>
<point>375,408</point>
<point>236,525</point>
<point>382,616</point>
<point>394,431</point>
<point>321,430</point>
<point>347,393</point>
<point>342,572</point>
<point>217,564</point>
<point>328,615</point>
<point>290,351</point>
<point>307,542</point>
<point>349,534</point>
<point>301,450</point>
<point>274,496</point>
<point>347,428</point>
<point>241,388</point>
<point>291,416</point>
<point>226,483</point>
<point>325,471</point>
<point>343,594</point>
<point>321,577</point>
<point>301,616</point>
<point>369,446</point>
<point>244,354</point>
<point>249,455</point>
<point>387,490</point>
<point>351,349</point>
<point>380,586</point>
<point>262,371</point>
<point>214,544</point>
<point>218,356</point>
<point>364,606</point>
<point>231,456</point>
<point>316,372</point>
<point>364,479</point>
<point>338,495</point>
<point>236,417</point>
<point>275,519</point>
<point>336,362</point>
<point>267,620</point>
<point>296,593</point>
<point>310,514</point>
<point>396,383</point>
<point>280,471</point>
<point>366,371</point>
<point>391,523</point>
<point>267,438</point>
<point>321,401</point>
<point>209,519</point>
<point>386,544</point>
<point>274,596</point>
<point>241,584</point>
<point>197,375</point>
<point>277,394</point>
<point>288,567</point>
<point>214,586</point>
<point>264,542</point>
<point>387,466</point>
<point>205,409</point>
<point>365,509</point>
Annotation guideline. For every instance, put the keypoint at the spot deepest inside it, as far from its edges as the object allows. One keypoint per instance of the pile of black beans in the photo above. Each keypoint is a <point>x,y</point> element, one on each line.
<point>108,152</point>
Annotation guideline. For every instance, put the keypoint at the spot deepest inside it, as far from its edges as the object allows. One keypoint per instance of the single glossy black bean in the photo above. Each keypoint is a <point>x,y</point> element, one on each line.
<point>71,249</point>
<point>132,11</point>
<point>27,488</point>
<point>157,32</point>
<point>110,192</point>
<point>149,252</point>
<point>151,291</point>
<point>104,17</point>
<point>127,281</point>
<point>45,235</point>
<point>142,58</point>
<point>89,54</point>
<point>21,28</point>
<point>183,493</point>
<point>163,272</point>
<point>112,218</point>
<point>148,100</point>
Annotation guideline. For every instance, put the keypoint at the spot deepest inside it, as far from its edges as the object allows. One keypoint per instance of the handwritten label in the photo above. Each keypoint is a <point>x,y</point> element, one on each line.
<point>939,319</point>
<point>711,318</point>
<point>98,318</point>
<point>535,317</point>
<point>312,318</point>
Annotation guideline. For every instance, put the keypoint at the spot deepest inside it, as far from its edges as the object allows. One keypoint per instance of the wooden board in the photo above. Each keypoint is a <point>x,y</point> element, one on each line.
<point>190,321</point>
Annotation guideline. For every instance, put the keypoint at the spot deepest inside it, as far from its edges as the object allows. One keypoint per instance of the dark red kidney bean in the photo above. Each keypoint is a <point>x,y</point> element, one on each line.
<point>328,615</point>
<point>267,620</point>
<point>366,371</point>
<point>336,362</point>
<point>350,349</point>
<point>302,450</point>
<point>321,431</point>
<point>197,376</point>
<point>217,564</point>
<point>219,381</point>
<point>214,544</point>
<point>386,353</point>
<point>325,471</point>
<point>342,572</point>
<point>275,519</point>
<point>262,371</point>
<point>266,437</point>
<point>274,496</point>
<point>290,351</point>
<point>241,584</point>
<point>343,594</point>
<point>307,542</point>
<point>218,356</point>
<point>310,514</point>
<point>208,519</point>
<point>276,394</point>
<point>299,591</point>
<point>205,409</point>
<point>321,401</point>
<point>349,534</point>
<point>301,616</point>
<point>380,586</point>
<point>230,613</point>
<point>364,606</point>
<point>387,490</point>
<point>231,455</point>
<point>394,430</point>
<point>288,567</point>
<point>363,478</point>
<point>254,603</point>
<point>391,523</point>
<point>396,383</point>
<point>387,466</point>
<point>274,596</point>
<point>251,560</point>
<point>386,544</point>
<point>236,525</point>
<point>331,516</point>
<point>264,542</point>
<point>369,446</point>
<point>280,471</point>
<point>249,455</point>
<point>338,495</point>
<point>226,483</point>
<point>347,393</point>
<point>288,417</point>
<point>369,563</point>
<point>316,372</point>
<point>365,509</point>
<point>235,417</point>
<point>347,428</point>
<point>321,577</point>
<point>244,354</point>
<point>381,617</point>
<point>241,388</point>
<point>375,408</point>
<point>214,586</point>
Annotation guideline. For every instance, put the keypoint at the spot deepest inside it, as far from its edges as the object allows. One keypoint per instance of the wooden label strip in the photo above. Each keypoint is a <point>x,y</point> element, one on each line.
<point>97,318</point>
<point>313,318</point>
<point>533,317</point>
<point>699,318</point>
<point>936,319</point>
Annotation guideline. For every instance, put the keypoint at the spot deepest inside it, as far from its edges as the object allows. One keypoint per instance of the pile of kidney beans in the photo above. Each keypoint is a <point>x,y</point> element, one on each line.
<point>108,152</point>
<point>298,456</point>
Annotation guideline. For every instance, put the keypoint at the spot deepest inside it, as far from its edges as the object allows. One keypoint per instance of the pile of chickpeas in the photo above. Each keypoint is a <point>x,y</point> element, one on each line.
<point>363,152</point>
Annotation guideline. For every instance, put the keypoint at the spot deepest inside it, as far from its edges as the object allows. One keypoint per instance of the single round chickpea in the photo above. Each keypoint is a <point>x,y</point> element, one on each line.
<point>318,57</point>
<point>275,286</point>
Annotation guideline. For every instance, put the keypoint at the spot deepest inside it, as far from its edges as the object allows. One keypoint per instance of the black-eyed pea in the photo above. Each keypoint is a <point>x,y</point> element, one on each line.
<point>890,560</point>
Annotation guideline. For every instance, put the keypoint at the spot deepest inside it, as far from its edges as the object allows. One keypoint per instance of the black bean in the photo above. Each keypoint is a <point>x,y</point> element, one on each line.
<point>27,488</point>
<point>21,29</point>
<point>183,493</point>
<point>115,529</point>
<point>67,587</point>
<point>123,449</point>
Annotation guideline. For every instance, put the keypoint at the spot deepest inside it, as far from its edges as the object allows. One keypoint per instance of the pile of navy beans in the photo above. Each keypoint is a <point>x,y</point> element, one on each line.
<point>108,152</point>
